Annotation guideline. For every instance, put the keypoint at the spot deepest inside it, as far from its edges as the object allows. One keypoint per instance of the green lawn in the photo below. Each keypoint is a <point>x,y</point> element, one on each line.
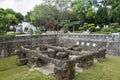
<point>107,70</point>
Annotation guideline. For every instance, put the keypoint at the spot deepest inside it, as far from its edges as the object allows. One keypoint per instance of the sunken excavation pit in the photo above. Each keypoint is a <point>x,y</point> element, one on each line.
<point>65,59</point>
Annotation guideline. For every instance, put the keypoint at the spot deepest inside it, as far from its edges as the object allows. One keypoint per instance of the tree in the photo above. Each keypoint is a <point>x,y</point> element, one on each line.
<point>102,16</point>
<point>90,16</point>
<point>12,19</point>
<point>19,16</point>
<point>114,11</point>
<point>43,14</point>
<point>78,9</point>
<point>51,15</point>
<point>8,17</point>
<point>27,16</point>
<point>83,10</point>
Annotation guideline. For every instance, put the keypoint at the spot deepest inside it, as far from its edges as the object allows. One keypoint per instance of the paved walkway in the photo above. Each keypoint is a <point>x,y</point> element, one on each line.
<point>49,69</point>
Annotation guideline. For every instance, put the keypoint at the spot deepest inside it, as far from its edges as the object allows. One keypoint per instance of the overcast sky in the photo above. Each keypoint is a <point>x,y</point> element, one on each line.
<point>22,6</point>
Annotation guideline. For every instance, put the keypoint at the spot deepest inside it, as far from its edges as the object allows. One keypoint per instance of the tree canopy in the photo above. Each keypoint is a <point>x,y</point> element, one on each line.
<point>9,17</point>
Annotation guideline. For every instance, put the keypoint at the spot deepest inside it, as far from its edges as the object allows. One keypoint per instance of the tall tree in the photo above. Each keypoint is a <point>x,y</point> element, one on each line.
<point>102,16</point>
<point>8,17</point>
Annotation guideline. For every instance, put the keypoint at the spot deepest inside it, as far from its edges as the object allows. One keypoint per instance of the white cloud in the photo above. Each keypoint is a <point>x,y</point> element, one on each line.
<point>22,6</point>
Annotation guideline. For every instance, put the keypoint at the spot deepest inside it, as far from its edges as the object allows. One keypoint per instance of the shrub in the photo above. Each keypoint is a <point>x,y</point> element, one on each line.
<point>20,33</point>
<point>38,31</point>
<point>7,35</point>
<point>106,30</point>
<point>114,25</point>
<point>92,27</point>
<point>118,29</point>
<point>81,28</point>
<point>86,26</point>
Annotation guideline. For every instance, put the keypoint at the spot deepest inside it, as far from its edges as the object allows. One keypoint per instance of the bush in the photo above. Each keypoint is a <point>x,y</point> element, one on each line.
<point>38,31</point>
<point>118,29</point>
<point>7,35</point>
<point>106,30</point>
<point>20,33</point>
<point>114,25</point>
<point>92,27</point>
<point>86,26</point>
<point>81,28</point>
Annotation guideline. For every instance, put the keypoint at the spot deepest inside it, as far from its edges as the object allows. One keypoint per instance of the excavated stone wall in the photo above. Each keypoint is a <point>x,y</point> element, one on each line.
<point>9,44</point>
<point>86,42</point>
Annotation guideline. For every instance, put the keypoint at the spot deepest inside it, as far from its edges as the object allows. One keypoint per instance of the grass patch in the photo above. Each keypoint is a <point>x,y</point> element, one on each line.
<point>8,68</point>
<point>107,70</point>
<point>7,35</point>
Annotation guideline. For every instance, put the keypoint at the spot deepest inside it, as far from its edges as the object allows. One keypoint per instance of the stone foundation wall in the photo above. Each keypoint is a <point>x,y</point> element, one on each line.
<point>86,42</point>
<point>92,42</point>
<point>9,44</point>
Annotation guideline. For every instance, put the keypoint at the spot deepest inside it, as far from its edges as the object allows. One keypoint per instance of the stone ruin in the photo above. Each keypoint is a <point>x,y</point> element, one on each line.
<point>64,69</point>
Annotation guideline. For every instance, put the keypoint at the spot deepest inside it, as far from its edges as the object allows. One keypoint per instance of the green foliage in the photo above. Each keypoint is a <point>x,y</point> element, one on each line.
<point>101,16</point>
<point>55,11</point>
<point>118,29</point>
<point>8,66</point>
<point>115,10</point>
<point>90,15</point>
<point>27,17</point>
<point>34,75</point>
<point>8,17</point>
<point>114,25</point>
<point>86,26</point>
<point>19,33</point>
<point>38,31</point>
<point>65,24</point>
<point>9,69</point>
<point>43,14</point>
<point>83,10</point>
<point>50,13</point>
<point>81,28</point>
<point>106,70</point>
<point>92,27</point>
<point>106,30</point>
<point>19,16</point>
<point>7,35</point>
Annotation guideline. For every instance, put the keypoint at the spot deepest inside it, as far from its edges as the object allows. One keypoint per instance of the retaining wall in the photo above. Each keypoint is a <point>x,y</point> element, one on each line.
<point>92,42</point>
<point>9,44</point>
<point>87,42</point>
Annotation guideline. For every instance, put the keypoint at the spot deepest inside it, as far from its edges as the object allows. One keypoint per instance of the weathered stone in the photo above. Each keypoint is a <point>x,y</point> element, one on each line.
<point>100,55</point>
<point>22,58</point>
<point>86,61</point>
<point>75,48</point>
<point>62,55</point>
<point>64,66</point>
<point>65,71</point>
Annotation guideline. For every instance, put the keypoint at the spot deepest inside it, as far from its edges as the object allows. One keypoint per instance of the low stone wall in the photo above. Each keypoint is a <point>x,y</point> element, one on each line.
<point>92,42</point>
<point>86,42</point>
<point>9,44</point>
